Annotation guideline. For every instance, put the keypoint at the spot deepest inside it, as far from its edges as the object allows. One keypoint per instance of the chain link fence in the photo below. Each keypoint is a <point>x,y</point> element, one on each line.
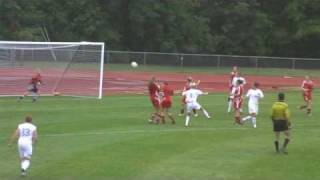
<point>179,60</point>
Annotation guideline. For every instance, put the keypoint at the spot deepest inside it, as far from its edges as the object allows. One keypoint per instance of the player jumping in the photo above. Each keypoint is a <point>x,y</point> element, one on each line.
<point>32,87</point>
<point>254,94</point>
<point>191,100</point>
<point>307,87</point>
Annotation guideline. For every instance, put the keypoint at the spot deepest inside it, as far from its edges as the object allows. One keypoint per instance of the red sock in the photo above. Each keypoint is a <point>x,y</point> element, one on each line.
<point>237,119</point>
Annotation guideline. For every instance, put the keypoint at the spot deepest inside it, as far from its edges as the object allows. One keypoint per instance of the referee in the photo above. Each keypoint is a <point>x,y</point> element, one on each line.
<point>281,122</point>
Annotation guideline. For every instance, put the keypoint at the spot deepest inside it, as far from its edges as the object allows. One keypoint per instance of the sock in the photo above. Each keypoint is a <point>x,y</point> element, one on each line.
<point>229,106</point>
<point>276,144</point>
<point>303,107</point>
<point>181,111</point>
<point>237,119</point>
<point>172,119</point>
<point>246,118</point>
<point>187,120</point>
<point>194,111</point>
<point>254,121</point>
<point>25,164</point>
<point>205,113</point>
<point>309,111</point>
<point>286,142</point>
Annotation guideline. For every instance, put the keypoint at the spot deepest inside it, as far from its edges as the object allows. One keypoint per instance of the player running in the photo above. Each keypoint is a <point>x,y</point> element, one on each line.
<point>191,102</point>
<point>237,94</point>
<point>27,136</point>
<point>166,102</point>
<point>32,87</point>
<point>307,87</point>
<point>254,94</point>
<point>183,100</point>
<point>234,81</point>
<point>154,89</point>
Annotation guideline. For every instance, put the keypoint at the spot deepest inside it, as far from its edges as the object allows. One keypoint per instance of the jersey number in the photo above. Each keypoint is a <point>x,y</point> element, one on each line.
<point>26,132</point>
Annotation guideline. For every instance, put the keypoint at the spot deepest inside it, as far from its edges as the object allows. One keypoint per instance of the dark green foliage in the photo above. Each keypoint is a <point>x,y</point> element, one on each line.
<point>244,27</point>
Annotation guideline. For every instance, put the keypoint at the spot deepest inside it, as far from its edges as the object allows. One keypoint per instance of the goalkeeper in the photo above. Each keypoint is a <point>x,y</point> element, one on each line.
<point>32,88</point>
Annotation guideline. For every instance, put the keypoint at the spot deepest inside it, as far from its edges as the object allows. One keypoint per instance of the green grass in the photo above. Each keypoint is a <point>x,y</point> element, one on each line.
<point>111,139</point>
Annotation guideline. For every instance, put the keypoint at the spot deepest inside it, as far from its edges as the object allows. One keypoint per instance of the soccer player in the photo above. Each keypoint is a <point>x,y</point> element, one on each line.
<point>191,100</point>
<point>254,94</point>
<point>231,85</point>
<point>27,136</point>
<point>281,122</point>
<point>166,101</point>
<point>32,88</point>
<point>237,94</point>
<point>154,89</point>
<point>234,84</point>
<point>183,100</point>
<point>307,87</point>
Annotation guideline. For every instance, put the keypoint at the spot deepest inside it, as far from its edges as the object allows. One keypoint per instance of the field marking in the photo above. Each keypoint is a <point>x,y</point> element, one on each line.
<point>188,129</point>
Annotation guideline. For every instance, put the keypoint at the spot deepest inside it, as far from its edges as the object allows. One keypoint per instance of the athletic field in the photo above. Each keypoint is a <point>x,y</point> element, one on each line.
<point>82,139</point>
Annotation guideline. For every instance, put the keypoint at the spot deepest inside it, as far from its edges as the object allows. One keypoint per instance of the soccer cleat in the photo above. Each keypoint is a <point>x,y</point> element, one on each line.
<point>195,115</point>
<point>254,126</point>
<point>180,114</point>
<point>23,172</point>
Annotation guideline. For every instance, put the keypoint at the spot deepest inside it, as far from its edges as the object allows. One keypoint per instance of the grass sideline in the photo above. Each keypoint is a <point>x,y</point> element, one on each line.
<point>111,139</point>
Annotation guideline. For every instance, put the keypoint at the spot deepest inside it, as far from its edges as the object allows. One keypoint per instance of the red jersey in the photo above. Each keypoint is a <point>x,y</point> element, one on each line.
<point>307,86</point>
<point>238,92</point>
<point>36,79</point>
<point>153,89</point>
<point>167,92</point>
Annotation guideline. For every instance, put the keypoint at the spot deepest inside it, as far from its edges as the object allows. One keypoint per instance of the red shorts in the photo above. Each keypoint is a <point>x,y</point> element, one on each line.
<point>237,103</point>
<point>166,104</point>
<point>307,97</point>
<point>155,102</point>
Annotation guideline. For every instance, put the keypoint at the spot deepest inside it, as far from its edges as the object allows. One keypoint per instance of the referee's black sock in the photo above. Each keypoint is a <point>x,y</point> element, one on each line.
<point>286,142</point>
<point>276,144</point>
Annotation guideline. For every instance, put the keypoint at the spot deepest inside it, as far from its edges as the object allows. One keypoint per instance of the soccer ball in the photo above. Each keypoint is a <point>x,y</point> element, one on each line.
<point>134,64</point>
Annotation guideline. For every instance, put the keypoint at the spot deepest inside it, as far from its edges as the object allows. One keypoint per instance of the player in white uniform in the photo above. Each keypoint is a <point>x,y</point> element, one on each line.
<point>191,102</point>
<point>254,94</point>
<point>27,135</point>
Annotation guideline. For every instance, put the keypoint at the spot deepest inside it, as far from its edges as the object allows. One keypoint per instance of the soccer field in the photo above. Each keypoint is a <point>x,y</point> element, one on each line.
<point>111,139</point>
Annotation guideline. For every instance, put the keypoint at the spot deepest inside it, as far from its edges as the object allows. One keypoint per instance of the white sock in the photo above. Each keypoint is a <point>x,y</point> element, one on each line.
<point>229,106</point>
<point>187,120</point>
<point>25,164</point>
<point>205,113</point>
<point>246,118</point>
<point>254,122</point>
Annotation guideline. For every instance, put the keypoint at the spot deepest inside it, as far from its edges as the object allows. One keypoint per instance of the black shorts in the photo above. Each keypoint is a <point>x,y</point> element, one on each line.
<point>280,125</point>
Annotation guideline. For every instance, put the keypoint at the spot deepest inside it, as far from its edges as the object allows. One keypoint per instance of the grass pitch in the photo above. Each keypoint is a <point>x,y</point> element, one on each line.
<point>111,139</point>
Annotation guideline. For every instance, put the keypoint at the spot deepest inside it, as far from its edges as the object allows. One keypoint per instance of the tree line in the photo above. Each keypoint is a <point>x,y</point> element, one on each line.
<point>288,28</point>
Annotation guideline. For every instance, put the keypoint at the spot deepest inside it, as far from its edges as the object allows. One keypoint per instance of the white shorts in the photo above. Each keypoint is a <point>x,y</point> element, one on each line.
<point>25,150</point>
<point>191,106</point>
<point>253,108</point>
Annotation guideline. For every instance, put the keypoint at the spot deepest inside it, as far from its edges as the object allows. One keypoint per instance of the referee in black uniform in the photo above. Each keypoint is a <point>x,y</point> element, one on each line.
<point>281,122</point>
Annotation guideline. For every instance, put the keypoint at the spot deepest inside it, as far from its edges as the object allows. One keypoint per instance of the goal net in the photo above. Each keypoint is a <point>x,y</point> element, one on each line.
<point>67,68</point>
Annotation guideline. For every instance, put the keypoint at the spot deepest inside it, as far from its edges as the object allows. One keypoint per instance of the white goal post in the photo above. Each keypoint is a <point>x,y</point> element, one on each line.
<point>67,68</point>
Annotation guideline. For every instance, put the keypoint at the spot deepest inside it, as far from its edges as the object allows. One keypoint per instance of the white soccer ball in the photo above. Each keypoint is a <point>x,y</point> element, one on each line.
<point>134,64</point>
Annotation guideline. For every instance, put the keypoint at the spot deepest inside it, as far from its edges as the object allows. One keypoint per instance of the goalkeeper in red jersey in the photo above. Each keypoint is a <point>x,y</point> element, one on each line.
<point>33,86</point>
<point>307,87</point>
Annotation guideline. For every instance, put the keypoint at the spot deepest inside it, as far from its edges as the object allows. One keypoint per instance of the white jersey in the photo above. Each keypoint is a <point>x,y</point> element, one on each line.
<point>192,95</point>
<point>254,96</point>
<point>235,79</point>
<point>26,131</point>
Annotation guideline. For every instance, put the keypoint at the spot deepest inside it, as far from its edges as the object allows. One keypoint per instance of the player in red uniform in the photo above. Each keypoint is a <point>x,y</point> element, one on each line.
<point>154,89</point>
<point>166,101</point>
<point>187,86</point>
<point>237,93</point>
<point>307,87</point>
<point>233,74</point>
<point>32,87</point>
